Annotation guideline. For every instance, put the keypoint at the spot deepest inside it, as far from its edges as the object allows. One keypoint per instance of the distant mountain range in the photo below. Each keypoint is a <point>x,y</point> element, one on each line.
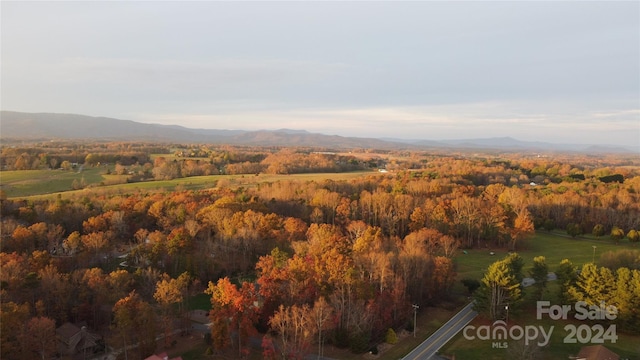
<point>48,126</point>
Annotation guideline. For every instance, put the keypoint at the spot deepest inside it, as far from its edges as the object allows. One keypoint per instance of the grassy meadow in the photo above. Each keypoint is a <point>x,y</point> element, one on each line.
<point>51,183</point>
<point>554,246</point>
<point>23,183</point>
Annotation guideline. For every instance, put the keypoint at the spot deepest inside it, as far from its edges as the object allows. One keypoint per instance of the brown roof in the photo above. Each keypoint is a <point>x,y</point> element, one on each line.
<point>67,330</point>
<point>75,337</point>
<point>597,352</point>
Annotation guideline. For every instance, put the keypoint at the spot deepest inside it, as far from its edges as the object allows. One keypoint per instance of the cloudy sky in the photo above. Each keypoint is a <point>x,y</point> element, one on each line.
<point>545,71</point>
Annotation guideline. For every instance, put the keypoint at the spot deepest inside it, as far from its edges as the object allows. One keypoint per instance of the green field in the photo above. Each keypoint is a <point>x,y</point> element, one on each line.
<point>554,246</point>
<point>51,183</point>
<point>35,182</point>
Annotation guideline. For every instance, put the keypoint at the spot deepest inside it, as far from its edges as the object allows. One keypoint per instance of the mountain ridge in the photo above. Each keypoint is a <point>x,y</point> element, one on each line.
<point>51,126</point>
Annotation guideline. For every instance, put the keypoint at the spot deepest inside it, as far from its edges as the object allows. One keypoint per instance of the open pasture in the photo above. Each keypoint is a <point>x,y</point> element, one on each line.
<point>554,246</point>
<point>25,183</point>
<point>40,185</point>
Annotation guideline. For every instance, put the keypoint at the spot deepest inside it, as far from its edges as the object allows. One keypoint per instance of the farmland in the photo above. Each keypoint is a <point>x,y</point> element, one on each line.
<point>49,183</point>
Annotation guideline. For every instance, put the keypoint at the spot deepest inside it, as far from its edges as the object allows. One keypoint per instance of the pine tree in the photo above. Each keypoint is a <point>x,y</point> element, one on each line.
<point>593,285</point>
<point>566,273</point>
<point>499,288</point>
<point>539,273</point>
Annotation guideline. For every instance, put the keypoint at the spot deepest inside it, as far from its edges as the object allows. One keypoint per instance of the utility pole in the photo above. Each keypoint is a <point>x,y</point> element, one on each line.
<point>415,314</point>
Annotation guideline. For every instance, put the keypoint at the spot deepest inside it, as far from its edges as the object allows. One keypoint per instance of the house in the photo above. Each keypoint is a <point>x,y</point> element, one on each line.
<point>162,356</point>
<point>596,352</point>
<point>76,339</point>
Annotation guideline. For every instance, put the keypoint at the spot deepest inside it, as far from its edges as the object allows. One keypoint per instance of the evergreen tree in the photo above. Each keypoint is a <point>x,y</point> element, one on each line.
<point>567,276</point>
<point>515,263</point>
<point>539,273</point>
<point>499,288</point>
<point>593,285</point>
<point>624,297</point>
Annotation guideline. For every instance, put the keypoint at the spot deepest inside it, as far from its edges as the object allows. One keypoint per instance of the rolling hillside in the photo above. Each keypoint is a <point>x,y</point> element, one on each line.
<point>49,126</point>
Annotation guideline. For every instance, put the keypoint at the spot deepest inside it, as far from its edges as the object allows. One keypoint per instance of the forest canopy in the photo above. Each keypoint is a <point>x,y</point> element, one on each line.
<point>348,257</point>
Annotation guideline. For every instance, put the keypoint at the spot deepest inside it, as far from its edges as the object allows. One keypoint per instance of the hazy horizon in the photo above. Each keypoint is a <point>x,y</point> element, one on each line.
<point>561,72</point>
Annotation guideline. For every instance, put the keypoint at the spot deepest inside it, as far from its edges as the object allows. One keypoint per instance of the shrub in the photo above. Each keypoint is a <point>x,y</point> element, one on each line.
<point>574,229</point>
<point>549,225</point>
<point>341,338</point>
<point>617,234</point>
<point>391,337</point>
<point>598,230</point>
<point>621,258</point>
<point>359,343</point>
<point>471,285</point>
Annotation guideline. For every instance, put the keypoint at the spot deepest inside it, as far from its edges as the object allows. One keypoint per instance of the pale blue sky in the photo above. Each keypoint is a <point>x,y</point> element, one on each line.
<point>545,71</point>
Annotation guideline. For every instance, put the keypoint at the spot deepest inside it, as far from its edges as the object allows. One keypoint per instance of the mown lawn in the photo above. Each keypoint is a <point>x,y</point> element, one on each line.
<point>200,301</point>
<point>554,246</point>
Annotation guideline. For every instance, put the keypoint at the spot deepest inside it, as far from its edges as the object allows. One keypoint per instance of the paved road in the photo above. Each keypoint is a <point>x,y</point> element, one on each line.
<point>438,339</point>
<point>526,282</point>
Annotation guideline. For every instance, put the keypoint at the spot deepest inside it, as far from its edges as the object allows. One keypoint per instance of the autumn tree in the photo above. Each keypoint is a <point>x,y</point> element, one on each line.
<point>321,316</point>
<point>12,319</point>
<point>295,328</point>
<point>95,241</point>
<point>442,277</point>
<point>23,240</point>
<point>170,292</point>
<point>73,243</point>
<point>415,262</point>
<point>54,291</point>
<point>522,227</point>
<point>39,338</point>
<point>232,310</point>
<point>135,322</point>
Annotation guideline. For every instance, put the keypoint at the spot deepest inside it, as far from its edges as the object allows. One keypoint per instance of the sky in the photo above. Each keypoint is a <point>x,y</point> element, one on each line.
<point>563,72</point>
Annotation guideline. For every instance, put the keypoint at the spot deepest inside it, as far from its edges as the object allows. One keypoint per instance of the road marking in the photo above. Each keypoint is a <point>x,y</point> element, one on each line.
<point>445,332</point>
